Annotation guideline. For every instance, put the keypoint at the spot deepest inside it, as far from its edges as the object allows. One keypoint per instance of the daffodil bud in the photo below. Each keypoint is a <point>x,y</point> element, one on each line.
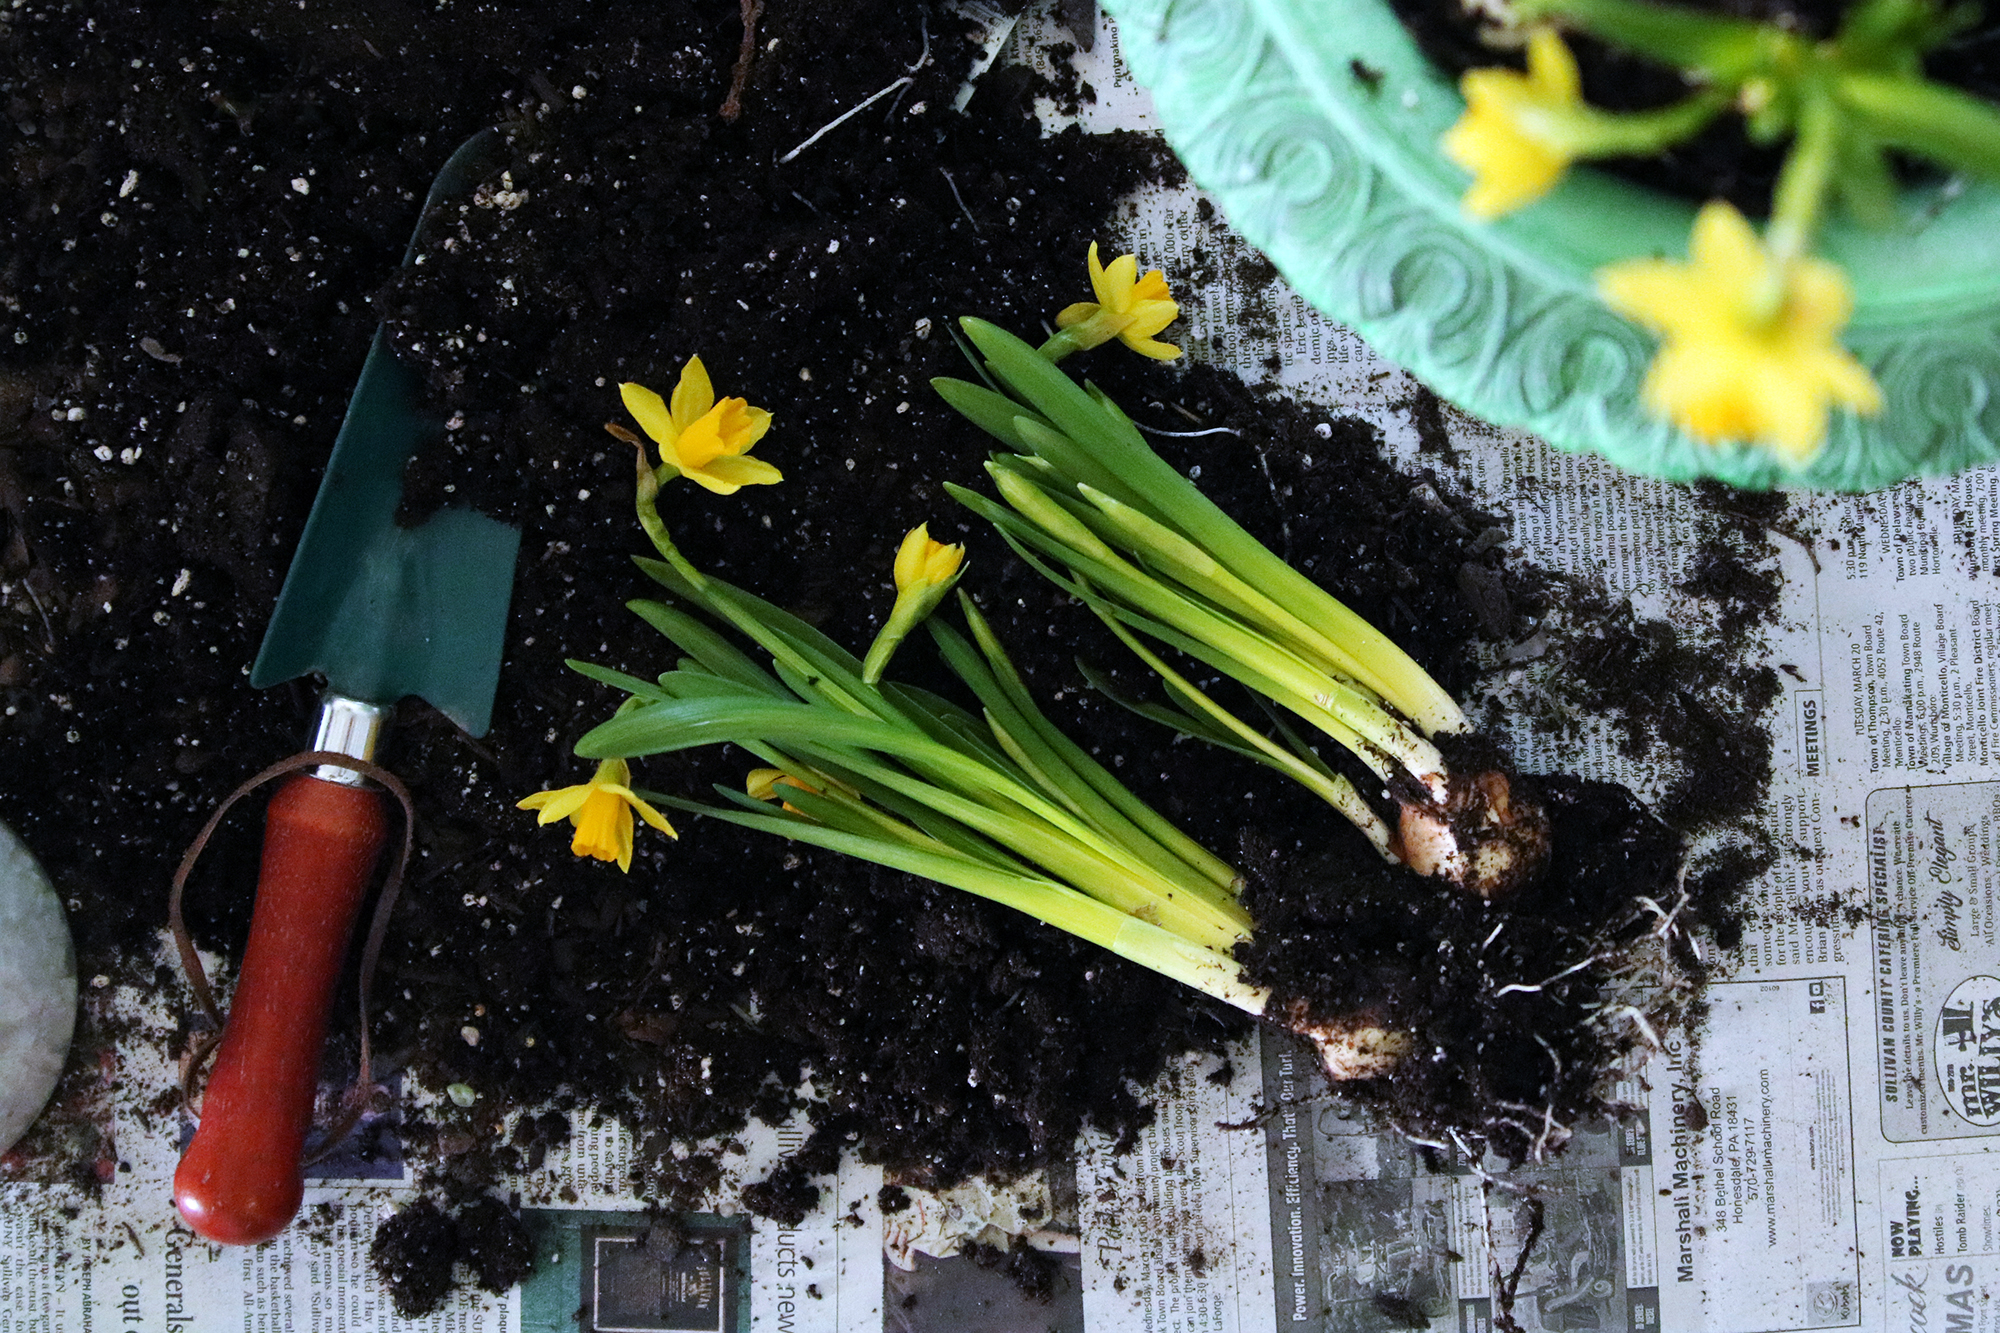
<point>925,571</point>
<point>1039,508</point>
<point>925,567</point>
<point>763,784</point>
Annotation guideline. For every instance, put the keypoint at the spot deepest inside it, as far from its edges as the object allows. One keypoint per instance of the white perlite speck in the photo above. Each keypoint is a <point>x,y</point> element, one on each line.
<point>37,988</point>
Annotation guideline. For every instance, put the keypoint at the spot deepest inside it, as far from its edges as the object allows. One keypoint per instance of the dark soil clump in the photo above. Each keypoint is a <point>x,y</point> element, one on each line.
<point>417,1251</point>
<point>494,1244</point>
<point>1731,568</point>
<point>1037,1276</point>
<point>1511,1022</point>
<point>788,1194</point>
<point>413,1254</point>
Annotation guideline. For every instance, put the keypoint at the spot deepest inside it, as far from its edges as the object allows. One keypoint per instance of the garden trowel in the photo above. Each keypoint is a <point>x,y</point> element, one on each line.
<point>382,611</point>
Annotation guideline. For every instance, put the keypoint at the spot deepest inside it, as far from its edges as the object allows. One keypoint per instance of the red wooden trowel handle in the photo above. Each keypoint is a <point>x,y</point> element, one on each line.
<point>239,1182</point>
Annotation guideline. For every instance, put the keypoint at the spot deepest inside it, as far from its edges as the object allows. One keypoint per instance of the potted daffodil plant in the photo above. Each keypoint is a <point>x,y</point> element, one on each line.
<point>1845,339</point>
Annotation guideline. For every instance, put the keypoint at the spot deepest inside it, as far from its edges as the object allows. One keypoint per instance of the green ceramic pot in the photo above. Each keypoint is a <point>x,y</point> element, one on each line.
<point>1315,124</point>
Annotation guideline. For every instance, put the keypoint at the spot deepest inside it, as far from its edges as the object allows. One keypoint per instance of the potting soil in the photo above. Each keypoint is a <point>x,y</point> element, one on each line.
<point>205,213</point>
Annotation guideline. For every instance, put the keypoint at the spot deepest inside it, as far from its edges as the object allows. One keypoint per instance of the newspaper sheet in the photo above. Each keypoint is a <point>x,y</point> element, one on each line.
<point>1817,1156</point>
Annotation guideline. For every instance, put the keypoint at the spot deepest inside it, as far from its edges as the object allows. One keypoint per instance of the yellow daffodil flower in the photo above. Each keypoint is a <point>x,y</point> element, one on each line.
<point>704,440</point>
<point>1750,341</point>
<point>602,810</point>
<point>1517,136</point>
<point>922,564</point>
<point>1128,307</point>
<point>925,571</point>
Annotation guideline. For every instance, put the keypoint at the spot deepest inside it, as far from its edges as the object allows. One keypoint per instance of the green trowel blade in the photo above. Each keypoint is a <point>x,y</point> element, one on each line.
<point>381,610</point>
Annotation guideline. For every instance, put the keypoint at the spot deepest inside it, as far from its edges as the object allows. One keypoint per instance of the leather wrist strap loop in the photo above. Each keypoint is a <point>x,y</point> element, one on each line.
<point>354,1101</point>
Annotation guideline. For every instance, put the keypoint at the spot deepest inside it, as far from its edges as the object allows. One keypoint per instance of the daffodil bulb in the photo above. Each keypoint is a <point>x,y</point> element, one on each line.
<point>1482,837</point>
<point>1353,1046</point>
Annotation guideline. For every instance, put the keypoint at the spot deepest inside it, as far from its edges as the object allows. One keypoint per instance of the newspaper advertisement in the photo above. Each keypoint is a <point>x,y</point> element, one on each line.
<point>1816,1154</point>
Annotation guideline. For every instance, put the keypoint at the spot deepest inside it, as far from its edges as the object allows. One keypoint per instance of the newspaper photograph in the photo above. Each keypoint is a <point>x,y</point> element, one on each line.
<point>1814,1153</point>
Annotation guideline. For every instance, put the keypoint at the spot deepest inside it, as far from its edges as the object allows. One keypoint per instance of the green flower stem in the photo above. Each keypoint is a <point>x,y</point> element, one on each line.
<point>1099,778</point>
<point>1078,337</point>
<point>1086,786</point>
<point>617,680</point>
<point>1197,571</point>
<point>714,652</point>
<point>1311,709</point>
<point>1097,865</point>
<point>863,820</point>
<point>1863,180</point>
<point>904,616</point>
<point>1220,634</point>
<point>1725,50</point>
<point>1806,179</point>
<point>1198,717</point>
<point>1892,36</point>
<point>1117,880</point>
<point>680,574</point>
<point>1641,133</point>
<point>793,644</point>
<point>646,500</point>
<point>1943,124</point>
<point>893,803</point>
